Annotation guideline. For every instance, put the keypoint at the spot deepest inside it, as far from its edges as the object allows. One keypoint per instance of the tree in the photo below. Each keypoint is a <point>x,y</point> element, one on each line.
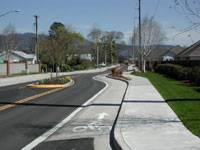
<point>152,35</point>
<point>112,40</point>
<point>191,9</point>
<point>57,47</point>
<point>94,36</point>
<point>9,40</point>
<point>53,32</point>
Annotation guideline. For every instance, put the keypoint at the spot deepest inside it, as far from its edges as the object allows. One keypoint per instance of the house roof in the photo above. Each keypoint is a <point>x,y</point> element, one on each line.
<point>24,55</point>
<point>193,50</point>
<point>177,49</point>
<point>174,51</point>
<point>157,53</point>
<point>21,54</point>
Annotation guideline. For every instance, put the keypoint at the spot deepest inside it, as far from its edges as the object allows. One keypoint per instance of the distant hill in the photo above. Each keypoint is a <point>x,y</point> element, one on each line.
<point>26,38</point>
<point>128,52</point>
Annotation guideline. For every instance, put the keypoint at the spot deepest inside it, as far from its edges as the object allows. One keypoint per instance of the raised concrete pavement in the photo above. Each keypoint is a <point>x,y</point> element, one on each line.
<point>146,122</point>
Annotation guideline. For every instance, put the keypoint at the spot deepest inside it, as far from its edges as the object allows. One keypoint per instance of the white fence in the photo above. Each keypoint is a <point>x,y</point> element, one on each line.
<point>16,68</point>
<point>33,67</point>
<point>3,69</point>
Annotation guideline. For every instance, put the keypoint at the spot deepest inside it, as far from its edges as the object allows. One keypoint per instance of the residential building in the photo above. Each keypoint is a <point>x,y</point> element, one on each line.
<point>156,54</point>
<point>171,54</point>
<point>18,56</point>
<point>190,53</point>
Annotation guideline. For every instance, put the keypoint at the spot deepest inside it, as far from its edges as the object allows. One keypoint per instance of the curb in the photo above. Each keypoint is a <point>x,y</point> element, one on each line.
<point>36,77</point>
<point>118,144</point>
<point>71,83</point>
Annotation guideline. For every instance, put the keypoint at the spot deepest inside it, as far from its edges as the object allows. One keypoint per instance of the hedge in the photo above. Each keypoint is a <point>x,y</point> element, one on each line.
<point>180,73</point>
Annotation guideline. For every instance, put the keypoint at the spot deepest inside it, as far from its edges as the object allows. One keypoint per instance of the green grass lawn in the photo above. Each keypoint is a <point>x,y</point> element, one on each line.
<point>182,98</point>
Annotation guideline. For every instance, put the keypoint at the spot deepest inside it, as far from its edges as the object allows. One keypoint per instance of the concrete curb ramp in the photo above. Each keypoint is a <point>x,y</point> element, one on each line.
<point>71,83</point>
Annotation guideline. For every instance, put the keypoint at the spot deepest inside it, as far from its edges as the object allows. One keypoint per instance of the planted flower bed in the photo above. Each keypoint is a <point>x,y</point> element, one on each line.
<point>50,81</point>
<point>117,73</point>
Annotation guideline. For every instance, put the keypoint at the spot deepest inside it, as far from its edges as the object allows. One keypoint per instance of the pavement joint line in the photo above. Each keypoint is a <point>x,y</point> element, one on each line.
<point>48,133</point>
<point>33,97</point>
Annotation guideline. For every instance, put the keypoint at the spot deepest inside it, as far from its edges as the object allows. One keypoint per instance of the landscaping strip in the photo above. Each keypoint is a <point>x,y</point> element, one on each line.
<point>71,83</point>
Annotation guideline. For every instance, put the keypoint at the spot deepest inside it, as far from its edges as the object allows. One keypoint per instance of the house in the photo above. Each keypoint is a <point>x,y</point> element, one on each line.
<point>171,54</point>
<point>1,61</point>
<point>190,53</point>
<point>86,57</point>
<point>156,54</point>
<point>82,54</point>
<point>18,56</point>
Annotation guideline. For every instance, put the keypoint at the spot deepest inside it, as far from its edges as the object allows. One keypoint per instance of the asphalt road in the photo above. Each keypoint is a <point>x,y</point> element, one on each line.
<point>25,122</point>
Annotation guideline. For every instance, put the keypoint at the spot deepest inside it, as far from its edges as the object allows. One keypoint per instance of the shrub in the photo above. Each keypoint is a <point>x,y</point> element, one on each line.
<point>116,72</point>
<point>195,76</point>
<point>78,67</point>
<point>174,71</point>
<point>44,67</point>
<point>65,67</point>
<point>86,64</point>
<point>120,73</point>
<point>113,70</point>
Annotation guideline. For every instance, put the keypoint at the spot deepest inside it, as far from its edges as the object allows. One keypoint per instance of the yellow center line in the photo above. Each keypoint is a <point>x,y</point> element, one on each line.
<point>29,98</point>
<point>33,97</point>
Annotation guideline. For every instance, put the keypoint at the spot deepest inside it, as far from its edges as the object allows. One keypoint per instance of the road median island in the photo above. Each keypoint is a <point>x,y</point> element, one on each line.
<point>53,83</point>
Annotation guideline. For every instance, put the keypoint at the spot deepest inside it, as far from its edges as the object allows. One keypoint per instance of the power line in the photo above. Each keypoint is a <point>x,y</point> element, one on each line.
<point>156,9</point>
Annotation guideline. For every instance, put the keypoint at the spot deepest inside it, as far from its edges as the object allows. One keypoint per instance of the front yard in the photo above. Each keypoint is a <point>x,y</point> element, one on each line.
<point>182,98</point>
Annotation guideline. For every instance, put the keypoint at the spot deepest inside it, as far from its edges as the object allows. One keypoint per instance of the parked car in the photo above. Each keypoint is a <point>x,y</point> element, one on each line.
<point>102,64</point>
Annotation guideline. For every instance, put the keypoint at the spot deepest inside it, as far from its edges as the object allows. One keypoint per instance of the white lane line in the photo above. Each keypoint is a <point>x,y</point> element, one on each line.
<point>59,125</point>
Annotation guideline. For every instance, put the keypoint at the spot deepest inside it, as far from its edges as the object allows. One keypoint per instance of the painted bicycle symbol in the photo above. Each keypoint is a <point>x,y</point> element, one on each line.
<point>95,125</point>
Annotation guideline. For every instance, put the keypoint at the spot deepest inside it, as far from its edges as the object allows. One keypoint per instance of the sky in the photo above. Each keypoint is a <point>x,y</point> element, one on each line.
<point>108,15</point>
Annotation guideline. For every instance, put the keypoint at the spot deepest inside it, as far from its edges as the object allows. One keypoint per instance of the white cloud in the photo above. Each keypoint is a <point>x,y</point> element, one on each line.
<point>127,36</point>
<point>185,39</point>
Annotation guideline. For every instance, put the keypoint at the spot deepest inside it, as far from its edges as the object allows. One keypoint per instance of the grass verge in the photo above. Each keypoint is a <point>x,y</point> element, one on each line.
<point>183,99</point>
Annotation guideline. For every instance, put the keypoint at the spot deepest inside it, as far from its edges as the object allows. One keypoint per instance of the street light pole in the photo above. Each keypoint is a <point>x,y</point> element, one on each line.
<point>9,12</point>
<point>140,38</point>
<point>97,56</point>
<point>36,38</point>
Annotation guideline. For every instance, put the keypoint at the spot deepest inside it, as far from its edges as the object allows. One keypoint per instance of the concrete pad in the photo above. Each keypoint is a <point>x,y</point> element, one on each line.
<point>146,122</point>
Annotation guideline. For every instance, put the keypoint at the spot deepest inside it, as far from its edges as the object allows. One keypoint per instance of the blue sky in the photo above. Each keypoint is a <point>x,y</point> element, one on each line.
<point>84,14</point>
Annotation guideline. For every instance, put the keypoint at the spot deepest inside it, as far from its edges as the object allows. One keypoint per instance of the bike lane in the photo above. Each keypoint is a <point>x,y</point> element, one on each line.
<point>91,127</point>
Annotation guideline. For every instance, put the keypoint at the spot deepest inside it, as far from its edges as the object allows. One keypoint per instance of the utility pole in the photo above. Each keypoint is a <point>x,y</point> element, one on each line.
<point>111,53</point>
<point>133,45</point>
<point>36,38</point>
<point>140,38</point>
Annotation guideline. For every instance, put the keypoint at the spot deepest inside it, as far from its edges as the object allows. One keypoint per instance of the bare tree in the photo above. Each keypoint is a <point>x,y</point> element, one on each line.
<point>152,35</point>
<point>94,36</point>
<point>191,10</point>
<point>112,39</point>
<point>9,40</point>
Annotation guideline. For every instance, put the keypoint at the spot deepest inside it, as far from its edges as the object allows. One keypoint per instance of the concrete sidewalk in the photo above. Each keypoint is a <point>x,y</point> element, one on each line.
<point>146,122</point>
<point>35,77</point>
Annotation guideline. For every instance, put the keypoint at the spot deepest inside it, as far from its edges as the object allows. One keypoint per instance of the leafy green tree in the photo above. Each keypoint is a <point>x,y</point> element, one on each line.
<point>61,44</point>
<point>53,32</point>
